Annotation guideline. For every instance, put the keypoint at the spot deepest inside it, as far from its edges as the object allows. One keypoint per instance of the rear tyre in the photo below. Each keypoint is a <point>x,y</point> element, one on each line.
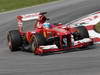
<point>38,40</point>
<point>14,40</point>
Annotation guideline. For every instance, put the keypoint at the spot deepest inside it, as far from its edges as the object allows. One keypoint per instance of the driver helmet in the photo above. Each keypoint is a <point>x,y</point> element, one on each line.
<point>47,25</point>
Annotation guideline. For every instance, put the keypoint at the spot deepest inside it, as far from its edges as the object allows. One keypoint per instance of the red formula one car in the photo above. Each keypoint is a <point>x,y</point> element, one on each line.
<point>46,37</point>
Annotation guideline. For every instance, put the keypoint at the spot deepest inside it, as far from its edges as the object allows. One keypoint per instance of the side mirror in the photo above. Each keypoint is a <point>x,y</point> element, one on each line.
<point>48,19</point>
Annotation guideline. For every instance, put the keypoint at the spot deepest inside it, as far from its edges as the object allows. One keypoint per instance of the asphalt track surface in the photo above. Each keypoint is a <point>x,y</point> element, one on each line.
<point>75,62</point>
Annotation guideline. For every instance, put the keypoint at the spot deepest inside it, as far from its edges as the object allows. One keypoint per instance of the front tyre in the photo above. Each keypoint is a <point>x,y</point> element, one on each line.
<point>83,33</point>
<point>38,40</point>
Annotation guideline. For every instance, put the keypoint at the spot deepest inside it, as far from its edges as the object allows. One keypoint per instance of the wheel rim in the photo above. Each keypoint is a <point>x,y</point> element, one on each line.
<point>33,47</point>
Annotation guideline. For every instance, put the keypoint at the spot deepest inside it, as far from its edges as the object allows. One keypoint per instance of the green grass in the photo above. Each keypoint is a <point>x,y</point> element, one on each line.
<point>6,5</point>
<point>98,27</point>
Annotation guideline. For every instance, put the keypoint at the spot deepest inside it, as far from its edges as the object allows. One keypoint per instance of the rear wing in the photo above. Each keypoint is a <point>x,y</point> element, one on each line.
<point>33,16</point>
<point>28,17</point>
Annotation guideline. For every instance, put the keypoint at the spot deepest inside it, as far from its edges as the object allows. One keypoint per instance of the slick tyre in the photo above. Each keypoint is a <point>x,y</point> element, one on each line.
<point>83,32</point>
<point>14,40</point>
<point>38,40</point>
